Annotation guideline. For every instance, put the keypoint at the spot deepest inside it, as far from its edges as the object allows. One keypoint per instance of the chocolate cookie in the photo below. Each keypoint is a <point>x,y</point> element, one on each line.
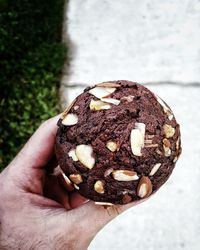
<point>117,142</point>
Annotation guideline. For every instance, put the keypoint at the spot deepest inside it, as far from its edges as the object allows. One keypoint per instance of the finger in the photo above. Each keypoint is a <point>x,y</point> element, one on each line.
<point>97,216</point>
<point>39,149</point>
<point>76,200</point>
<point>54,191</point>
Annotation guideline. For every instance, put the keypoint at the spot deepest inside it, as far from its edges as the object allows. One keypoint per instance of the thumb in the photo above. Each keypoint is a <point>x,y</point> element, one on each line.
<point>92,218</point>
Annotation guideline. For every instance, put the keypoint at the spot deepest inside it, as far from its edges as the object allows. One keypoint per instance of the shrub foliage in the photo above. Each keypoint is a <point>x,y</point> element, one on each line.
<point>31,60</point>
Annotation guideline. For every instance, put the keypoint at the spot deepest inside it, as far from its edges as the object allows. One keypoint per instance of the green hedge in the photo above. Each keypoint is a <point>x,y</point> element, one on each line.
<point>31,60</point>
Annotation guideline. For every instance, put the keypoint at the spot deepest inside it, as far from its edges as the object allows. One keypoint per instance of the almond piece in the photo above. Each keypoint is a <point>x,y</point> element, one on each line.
<point>84,154</point>
<point>144,188</point>
<point>141,126</point>
<point>57,171</point>
<point>111,100</point>
<point>137,138</point>
<point>65,112</point>
<point>72,154</point>
<point>112,146</point>
<point>165,108</point>
<point>64,179</point>
<point>170,116</point>
<point>166,143</point>
<point>167,151</point>
<point>76,187</point>
<point>76,178</point>
<point>151,145</point>
<point>124,175</point>
<point>178,143</point>
<point>108,84</point>
<point>98,105</point>
<point>76,107</point>
<point>101,92</point>
<point>148,141</point>
<point>158,152</point>
<point>175,159</point>
<point>103,203</point>
<point>128,98</point>
<point>108,172</point>
<point>67,180</point>
<point>155,169</point>
<point>99,187</point>
<point>168,130</point>
<point>70,119</point>
<point>150,136</point>
<point>166,147</point>
<point>136,142</point>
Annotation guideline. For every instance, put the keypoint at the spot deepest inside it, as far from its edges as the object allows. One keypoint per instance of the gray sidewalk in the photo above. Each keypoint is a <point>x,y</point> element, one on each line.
<point>156,43</point>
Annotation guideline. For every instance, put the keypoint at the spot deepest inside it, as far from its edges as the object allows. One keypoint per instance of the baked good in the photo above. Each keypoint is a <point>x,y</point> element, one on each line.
<point>117,142</point>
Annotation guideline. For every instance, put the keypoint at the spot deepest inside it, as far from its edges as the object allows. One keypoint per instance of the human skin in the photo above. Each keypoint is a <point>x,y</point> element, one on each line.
<point>36,212</point>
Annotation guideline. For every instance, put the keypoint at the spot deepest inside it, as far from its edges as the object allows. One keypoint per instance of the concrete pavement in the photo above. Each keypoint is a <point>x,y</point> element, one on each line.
<point>156,43</point>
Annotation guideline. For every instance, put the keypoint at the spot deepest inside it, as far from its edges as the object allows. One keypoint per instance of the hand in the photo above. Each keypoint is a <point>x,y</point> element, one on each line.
<point>35,211</point>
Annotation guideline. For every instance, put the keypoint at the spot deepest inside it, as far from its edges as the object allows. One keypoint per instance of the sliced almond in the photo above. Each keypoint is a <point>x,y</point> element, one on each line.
<point>67,180</point>
<point>128,98</point>
<point>101,92</point>
<point>103,203</point>
<point>170,116</point>
<point>72,154</point>
<point>144,188</point>
<point>76,187</point>
<point>150,136</point>
<point>65,112</point>
<point>155,169</point>
<point>151,145</point>
<point>167,151</point>
<point>168,130</point>
<point>76,178</point>
<point>178,143</point>
<point>108,172</point>
<point>84,154</point>
<point>99,187</point>
<point>70,119</point>
<point>141,126</point>
<point>165,108</point>
<point>166,142</point>
<point>57,171</point>
<point>108,84</point>
<point>159,152</point>
<point>76,107</point>
<point>137,138</point>
<point>136,142</point>
<point>111,100</point>
<point>175,159</point>
<point>99,105</point>
<point>148,141</point>
<point>124,175</point>
<point>112,146</point>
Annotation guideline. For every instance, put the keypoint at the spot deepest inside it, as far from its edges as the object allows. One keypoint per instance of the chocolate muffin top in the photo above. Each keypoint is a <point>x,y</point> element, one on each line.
<point>117,142</point>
